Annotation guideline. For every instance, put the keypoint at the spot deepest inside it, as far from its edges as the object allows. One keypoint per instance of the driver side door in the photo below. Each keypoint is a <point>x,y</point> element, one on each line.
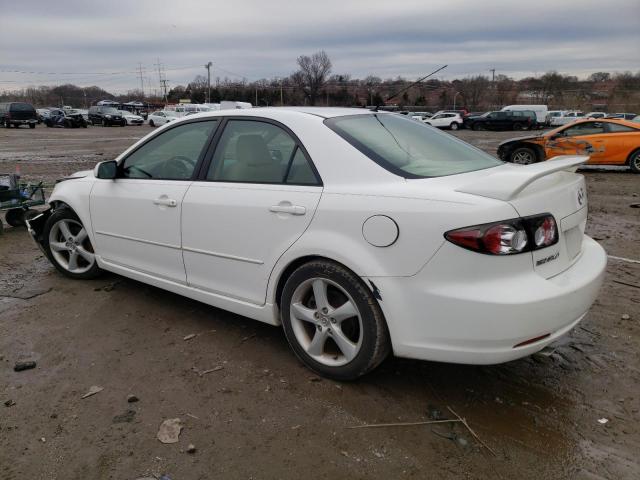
<point>136,217</point>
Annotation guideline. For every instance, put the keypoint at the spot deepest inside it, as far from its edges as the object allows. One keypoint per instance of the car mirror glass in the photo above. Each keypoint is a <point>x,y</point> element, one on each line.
<point>107,170</point>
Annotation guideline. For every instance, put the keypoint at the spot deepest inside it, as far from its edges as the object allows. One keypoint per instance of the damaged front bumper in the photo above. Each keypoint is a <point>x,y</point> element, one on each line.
<point>35,226</point>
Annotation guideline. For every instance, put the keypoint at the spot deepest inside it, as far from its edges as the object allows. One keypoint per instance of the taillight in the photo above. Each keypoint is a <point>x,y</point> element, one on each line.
<point>507,237</point>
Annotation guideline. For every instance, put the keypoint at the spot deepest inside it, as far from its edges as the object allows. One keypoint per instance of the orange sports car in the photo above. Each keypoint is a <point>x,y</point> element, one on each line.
<point>606,141</point>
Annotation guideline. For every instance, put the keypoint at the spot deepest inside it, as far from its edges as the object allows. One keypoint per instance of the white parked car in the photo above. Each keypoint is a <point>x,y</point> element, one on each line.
<point>361,233</point>
<point>450,120</point>
<point>568,117</point>
<point>131,118</point>
<point>161,117</point>
<point>595,115</point>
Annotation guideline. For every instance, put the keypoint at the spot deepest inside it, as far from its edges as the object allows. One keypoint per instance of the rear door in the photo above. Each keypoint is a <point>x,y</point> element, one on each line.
<point>136,217</point>
<point>620,141</point>
<point>252,202</point>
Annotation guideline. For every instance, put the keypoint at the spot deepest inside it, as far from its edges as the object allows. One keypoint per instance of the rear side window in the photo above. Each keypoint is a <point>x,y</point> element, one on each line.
<point>253,151</point>
<point>22,107</point>
<point>409,148</point>
<point>617,128</point>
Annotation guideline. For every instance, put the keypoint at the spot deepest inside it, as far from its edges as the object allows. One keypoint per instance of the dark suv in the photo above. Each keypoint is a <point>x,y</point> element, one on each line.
<point>106,116</point>
<point>18,113</point>
<point>516,120</point>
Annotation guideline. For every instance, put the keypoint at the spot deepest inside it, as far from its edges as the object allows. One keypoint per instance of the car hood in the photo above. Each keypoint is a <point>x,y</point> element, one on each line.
<point>519,139</point>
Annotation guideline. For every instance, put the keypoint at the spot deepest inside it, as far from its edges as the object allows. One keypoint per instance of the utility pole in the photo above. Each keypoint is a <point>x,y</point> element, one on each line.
<point>256,97</point>
<point>493,74</point>
<point>493,85</point>
<point>163,83</point>
<point>208,67</point>
<point>141,80</point>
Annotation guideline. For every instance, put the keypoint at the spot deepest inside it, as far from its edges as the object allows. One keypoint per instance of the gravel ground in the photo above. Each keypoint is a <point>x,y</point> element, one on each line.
<point>262,415</point>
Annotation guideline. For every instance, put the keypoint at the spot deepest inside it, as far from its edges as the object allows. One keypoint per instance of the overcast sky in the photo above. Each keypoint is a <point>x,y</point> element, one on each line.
<point>102,43</point>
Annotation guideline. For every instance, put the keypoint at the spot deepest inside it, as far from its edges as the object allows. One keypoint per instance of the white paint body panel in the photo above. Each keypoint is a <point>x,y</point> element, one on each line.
<point>222,245</point>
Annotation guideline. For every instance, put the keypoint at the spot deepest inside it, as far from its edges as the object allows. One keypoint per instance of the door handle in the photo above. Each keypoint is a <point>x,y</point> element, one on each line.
<point>291,209</point>
<point>166,202</point>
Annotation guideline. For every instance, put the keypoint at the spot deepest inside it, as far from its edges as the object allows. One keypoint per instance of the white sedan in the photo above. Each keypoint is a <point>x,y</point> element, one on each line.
<point>161,117</point>
<point>131,118</point>
<point>450,120</point>
<point>361,233</point>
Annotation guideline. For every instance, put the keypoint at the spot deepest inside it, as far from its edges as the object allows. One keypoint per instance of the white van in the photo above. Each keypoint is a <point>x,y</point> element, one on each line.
<point>540,111</point>
<point>229,105</point>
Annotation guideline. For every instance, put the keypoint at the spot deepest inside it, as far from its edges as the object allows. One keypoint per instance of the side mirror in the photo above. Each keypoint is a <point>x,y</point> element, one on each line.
<point>107,170</point>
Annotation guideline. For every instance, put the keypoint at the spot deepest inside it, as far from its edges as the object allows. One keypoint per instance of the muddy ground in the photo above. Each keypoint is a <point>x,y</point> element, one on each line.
<point>263,415</point>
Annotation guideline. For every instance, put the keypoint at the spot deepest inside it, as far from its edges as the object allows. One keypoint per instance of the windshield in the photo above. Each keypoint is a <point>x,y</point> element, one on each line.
<point>409,148</point>
<point>109,110</point>
<point>170,113</point>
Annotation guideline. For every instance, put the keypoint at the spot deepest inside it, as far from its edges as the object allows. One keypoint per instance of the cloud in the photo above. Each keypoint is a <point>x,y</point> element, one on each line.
<point>258,39</point>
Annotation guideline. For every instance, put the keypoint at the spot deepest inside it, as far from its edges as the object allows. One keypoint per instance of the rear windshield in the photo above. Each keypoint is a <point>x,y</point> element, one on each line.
<point>409,148</point>
<point>22,107</point>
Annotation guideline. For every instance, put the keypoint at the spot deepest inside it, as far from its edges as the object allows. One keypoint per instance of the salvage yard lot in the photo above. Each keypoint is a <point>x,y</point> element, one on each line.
<point>263,415</point>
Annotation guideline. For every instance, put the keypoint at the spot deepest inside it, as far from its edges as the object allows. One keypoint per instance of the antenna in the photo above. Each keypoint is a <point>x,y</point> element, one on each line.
<point>414,83</point>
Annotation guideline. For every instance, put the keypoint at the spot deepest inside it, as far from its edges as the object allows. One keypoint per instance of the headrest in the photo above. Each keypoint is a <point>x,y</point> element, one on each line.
<point>252,150</point>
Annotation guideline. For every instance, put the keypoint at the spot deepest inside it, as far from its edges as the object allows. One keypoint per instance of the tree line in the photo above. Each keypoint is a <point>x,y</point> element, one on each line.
<point>315,83</point>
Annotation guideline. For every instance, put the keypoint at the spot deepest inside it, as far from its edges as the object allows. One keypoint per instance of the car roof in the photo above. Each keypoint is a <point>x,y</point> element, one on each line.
<point>619,121</point>
<point>277,113</point>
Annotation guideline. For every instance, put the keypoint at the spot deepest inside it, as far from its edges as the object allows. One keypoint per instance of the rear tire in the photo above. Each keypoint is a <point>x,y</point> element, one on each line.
<point>68,246</point>
<point>634,161</point>
<point>332,321</point>
<point>523,156</point>
<point>517,126</point>
<point>476,127</point>
<point>32,125</point>
<point>454,126</point>
<point>151,124</point>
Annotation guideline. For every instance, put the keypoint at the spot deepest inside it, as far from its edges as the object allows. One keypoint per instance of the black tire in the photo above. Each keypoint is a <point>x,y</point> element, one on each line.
<point>476,126</point>
<point>15,217</point>
<point>66,213</point>
<point>151,124</point>
<point>32,125</point>
<point>523,156</point>
<point>7,124</point>
<point>517,126</point>
<point>47,122</point>
<point>373,335</point>
<point>634,161</point>
<point>105,123</point>
<point>454,126</point>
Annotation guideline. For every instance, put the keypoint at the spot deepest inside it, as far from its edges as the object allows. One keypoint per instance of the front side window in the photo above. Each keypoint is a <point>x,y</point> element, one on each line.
<point>409,149</point>
<point>586,128</point>
<point>172,155</point>
<point>257,152</point>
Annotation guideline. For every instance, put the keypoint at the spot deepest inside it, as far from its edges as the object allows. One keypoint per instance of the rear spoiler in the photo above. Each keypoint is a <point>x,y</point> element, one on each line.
<point>510,180</point>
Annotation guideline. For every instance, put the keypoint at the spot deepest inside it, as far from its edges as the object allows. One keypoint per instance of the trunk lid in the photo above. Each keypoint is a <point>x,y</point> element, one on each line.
<point>546,187</point>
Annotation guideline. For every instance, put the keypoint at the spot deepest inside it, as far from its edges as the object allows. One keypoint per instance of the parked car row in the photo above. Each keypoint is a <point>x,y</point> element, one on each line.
<point>562,117</point>
<point>17,113</point>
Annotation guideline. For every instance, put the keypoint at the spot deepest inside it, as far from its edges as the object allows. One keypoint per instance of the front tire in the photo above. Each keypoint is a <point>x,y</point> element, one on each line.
<point>634,161</point>
<point>454,126</point>
<point>15,217</point>
<point>332,321</point>
<point>523,156</point>
<point>151,124</point>
<point>68,246</point>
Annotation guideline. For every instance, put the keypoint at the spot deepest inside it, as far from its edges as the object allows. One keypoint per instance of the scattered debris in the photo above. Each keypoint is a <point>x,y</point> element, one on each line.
<point>625,316</point>
<point>192,416</point>
<point>215,369</point>
<point>434,413</point>
<point>9,403</point>
<point>378,454</point>
<point>315,379</point>
<point>405,424</point>
<point>189,337</point>
<point>603,421</point>
<point>43,440</point>
<point>92,391</point>
<point>132,399</point>
<point>26,365</point>
<point>249,337</point>
<point>126,417</point>
<point>627,284</point>
<point>191,448</point>
<point>475,435</point>
<point>169,430</point>
<point>635,205</point>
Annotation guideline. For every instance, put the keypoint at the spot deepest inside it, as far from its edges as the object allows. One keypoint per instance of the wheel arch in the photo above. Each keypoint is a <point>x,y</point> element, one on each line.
<point>631,154</point>
<point>286,272</point>
<point>74,194</point>
<point>537,149</point>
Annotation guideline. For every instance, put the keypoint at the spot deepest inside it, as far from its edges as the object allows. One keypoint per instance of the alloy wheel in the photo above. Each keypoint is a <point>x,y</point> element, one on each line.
<point>70,246</point>
<point>523,158</point>
<point>326,322</point>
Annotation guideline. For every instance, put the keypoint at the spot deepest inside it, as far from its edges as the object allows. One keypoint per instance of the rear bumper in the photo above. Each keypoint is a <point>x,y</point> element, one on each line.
<point>15,121</point>
<point>446,314</point>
